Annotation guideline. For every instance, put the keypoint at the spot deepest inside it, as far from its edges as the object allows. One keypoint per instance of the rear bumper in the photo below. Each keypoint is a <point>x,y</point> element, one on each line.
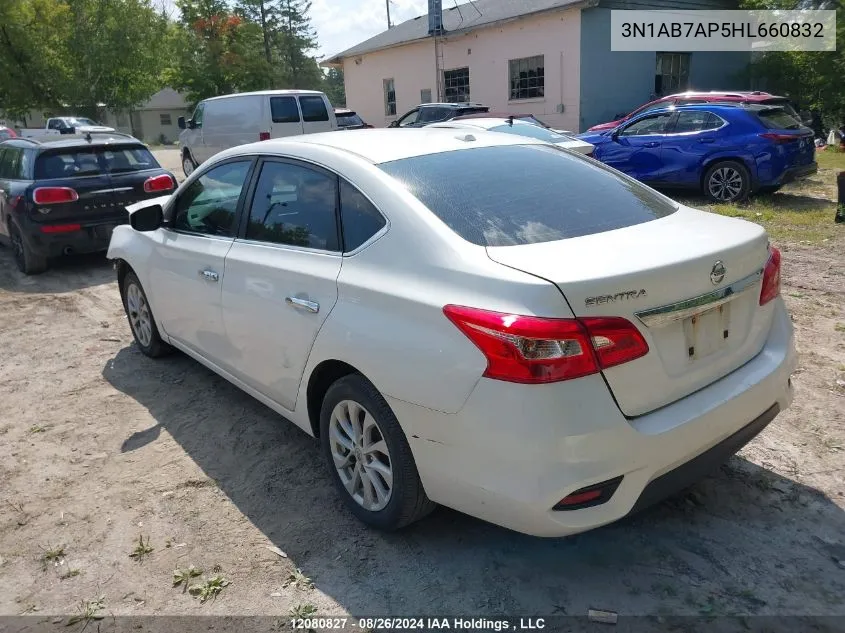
<point>512,453</point>
<point>797,173</point>
<point>93,236</point>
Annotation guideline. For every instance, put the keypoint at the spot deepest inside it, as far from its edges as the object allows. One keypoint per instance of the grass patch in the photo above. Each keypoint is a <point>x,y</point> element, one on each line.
<point>210,589</point>
<point>839,327</point>
<point>141,549</point>
<point>831,160</point>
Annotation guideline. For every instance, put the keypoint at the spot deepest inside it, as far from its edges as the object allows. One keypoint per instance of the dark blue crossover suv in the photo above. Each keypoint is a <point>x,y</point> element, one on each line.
<point>724,151</point>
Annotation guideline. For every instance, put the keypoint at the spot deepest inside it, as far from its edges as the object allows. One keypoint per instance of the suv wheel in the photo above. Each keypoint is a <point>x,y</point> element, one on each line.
<point>27,262</point>
<point>727,181</point>
<point>368,456</point>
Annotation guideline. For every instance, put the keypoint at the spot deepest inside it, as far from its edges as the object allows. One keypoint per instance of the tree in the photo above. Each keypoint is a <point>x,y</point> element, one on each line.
<point>334,87</point>
<point>811,79</point>
<point>266,14</point>
<point>216,51</point>
<point>33,36</point>
<point>298,41</point>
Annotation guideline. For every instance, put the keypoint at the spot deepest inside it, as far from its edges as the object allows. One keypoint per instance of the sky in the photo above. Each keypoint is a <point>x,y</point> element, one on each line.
<point>341,24</point>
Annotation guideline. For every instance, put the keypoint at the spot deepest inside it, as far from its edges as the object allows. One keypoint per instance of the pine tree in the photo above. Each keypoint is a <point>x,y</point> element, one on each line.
<point>298,40</point>
<point>265,13</point>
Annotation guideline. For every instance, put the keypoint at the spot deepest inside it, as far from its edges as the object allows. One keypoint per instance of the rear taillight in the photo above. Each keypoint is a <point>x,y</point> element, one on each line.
<point>159,183</point>
<point>264,136</point>
<point>528,349</point>
<point>771,277</point>
<point>780,138</point>
<point>54,195</point>
<point>61,228</point>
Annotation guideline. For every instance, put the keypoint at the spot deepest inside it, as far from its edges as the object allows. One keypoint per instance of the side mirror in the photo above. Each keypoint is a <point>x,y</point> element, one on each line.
<point>191,124</point>
<point>181,122</point>
<point>614,135</point>
<point>147,218</point>
<point>394,124</point>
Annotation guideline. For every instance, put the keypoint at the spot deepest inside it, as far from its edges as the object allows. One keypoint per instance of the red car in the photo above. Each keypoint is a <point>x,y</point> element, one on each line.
<point>686,98</point>
<point>6,133</point>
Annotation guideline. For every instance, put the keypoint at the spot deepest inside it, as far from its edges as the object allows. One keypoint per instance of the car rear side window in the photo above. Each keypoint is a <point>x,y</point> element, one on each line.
<point>360,219</point>
<point>313,109</point>
<point>284,110</point>
<point>696,121</point>
<point>778,119</point>
<point>524,194</point>
<point>71,163</point>
<point>10,163</point>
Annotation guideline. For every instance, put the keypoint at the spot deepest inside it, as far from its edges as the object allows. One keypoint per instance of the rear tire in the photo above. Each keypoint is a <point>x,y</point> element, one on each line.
<point>141,320</point>
<point>28,263</point>
<point>726,182</point>
<point>368,456</point>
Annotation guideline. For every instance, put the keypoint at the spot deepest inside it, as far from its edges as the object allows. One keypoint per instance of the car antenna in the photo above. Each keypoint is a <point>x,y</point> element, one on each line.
<point>510,120</point>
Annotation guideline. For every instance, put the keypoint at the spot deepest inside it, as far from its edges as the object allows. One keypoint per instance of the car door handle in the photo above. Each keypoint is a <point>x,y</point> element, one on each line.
<point>209,275</point>
<point>707,140</point>
<point>303,304</point>
<point>651,144</point>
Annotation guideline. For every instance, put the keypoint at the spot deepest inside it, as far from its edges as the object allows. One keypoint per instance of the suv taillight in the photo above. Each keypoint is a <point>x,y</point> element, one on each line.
<point>528,349</point>
<point>54,195</point>
<point>771,277</point>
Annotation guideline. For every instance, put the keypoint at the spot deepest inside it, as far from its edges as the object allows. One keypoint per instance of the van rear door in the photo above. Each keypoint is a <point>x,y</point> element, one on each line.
<point>285,119</point>
<point>317,114</point>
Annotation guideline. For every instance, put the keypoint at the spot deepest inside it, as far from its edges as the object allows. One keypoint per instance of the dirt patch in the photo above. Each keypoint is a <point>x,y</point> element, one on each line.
<point>102,448</point>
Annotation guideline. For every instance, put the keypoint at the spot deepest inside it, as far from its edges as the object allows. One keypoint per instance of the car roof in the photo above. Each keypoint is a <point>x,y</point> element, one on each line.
<point>463,104</point>
<point>728,94</point>
<point>384,145</point>
<point>716,107</point>
<point>77,140</point>
<point>496,115</point>
<point>484,123</point>
<point>343,111</point>
<point>270,93</point>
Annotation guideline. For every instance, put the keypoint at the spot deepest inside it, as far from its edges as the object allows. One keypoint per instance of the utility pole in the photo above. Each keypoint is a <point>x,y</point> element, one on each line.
<point>387,6</point>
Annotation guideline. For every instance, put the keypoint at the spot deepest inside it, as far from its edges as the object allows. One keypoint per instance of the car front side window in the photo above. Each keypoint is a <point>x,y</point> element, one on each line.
<point>655,124</point>
<point>209,204</point>
<point>410,118</point>
<point>294,205</point>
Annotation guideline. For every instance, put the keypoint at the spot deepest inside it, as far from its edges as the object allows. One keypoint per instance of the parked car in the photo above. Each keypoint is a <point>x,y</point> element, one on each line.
<point>725,151</point>
<point>520,128</point>
<point>6,133</point>
<point>65,194</point>
<point>349,120</point>
<point>436,112</point>
<point>517,116</point>
<point>491,323</point>
<point>66,125</point>
<point>223,122</point>
<point>689,98</point>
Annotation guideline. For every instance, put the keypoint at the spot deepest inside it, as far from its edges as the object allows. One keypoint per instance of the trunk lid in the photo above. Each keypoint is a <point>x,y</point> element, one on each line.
<point>658,276</point>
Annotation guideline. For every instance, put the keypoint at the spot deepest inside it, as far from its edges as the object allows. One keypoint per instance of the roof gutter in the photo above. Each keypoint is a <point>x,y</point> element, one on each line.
<point>337,60</point>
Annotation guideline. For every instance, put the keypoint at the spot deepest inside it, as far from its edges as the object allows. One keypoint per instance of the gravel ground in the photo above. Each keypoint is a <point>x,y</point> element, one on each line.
<point>100,445</point>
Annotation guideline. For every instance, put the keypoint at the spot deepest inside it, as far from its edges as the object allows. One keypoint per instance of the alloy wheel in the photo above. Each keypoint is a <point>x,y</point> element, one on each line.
<point>725,184</point>
<point>187,166</point>
<point>360,455</point>
<point>139,315</point>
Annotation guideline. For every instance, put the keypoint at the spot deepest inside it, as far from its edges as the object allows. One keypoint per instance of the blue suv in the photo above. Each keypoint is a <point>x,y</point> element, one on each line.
<point>724,151</point>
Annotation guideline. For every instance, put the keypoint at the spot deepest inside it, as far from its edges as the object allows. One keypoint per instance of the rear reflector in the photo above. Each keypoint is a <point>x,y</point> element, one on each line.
<point>54,195</point>
<point>533,350</point>
<point>61,228</point>
<point>780,138</point>
<point>264,136</point>
<point>159,183</point>
<point>771,277</point>
<point>589,496</point>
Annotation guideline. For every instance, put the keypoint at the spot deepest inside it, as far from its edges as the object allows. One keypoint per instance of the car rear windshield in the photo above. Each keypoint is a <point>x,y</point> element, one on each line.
<point>348,118</point>
<point>778,119</point>
<point>524,194</point>
<point>782,103</point>
<point>85,161</point>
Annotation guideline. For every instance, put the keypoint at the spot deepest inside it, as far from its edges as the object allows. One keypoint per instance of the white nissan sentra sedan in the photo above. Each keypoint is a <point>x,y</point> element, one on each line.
<point>477,320</point>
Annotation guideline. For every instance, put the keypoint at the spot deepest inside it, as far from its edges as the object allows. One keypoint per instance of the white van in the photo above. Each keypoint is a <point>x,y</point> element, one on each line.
<point>223,122</point>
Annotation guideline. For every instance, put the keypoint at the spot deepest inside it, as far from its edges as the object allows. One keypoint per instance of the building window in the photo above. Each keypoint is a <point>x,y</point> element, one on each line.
<point>456,85</point>
<point>389,98</point>
<point>527,78</point>
<point>165,119</point>
<point>672,73</point>
<point>425,95</point>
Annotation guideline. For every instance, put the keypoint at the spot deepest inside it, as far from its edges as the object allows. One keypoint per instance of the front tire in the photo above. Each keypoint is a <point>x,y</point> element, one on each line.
<point>141,319</point>
<point>28,263</point>
<point>727,181</point>
<point>188,164</point>
<point>368,456</point>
